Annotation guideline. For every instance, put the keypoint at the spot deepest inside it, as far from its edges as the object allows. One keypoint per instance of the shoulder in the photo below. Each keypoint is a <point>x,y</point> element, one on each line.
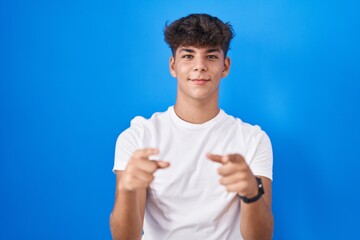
<point>140,121</point>
<point>248,136</point>
<point>244,128</point>
<point>139,133</point>
<point>140,125</point>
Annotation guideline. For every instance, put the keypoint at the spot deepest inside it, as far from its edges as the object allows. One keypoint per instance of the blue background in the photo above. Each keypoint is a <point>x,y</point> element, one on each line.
<point>74,73</point>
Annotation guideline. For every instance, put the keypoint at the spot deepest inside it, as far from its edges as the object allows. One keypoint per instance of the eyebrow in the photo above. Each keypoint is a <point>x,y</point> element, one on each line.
<point>211,50</point>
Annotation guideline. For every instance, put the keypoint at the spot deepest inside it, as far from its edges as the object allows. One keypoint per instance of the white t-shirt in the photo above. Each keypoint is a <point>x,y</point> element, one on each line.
<point>186,200</point>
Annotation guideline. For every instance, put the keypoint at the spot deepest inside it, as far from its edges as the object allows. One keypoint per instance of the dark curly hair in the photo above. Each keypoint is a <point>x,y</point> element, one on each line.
<point>198,30</point>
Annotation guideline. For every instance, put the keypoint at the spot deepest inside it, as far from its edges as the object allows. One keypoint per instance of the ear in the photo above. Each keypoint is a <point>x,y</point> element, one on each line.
<point>172,66</point>
<point>226,68</point>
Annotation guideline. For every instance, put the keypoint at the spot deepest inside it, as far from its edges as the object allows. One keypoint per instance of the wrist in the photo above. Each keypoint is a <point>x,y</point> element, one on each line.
<point>255,197</point>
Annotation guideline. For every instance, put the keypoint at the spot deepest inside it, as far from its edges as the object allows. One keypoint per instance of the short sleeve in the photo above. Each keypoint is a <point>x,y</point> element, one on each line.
<point>262,162</point>
<point>127,143</point>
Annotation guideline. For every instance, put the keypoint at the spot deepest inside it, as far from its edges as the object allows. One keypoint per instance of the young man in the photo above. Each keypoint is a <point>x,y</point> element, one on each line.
<point>193,172</point>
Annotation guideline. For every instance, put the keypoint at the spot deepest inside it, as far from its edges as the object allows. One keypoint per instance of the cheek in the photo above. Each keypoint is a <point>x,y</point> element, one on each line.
<point>182,70</point>
<point>219,72</point>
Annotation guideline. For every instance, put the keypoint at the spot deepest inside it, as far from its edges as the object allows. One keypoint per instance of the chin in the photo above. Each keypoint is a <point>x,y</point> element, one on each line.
<point>201,97</point>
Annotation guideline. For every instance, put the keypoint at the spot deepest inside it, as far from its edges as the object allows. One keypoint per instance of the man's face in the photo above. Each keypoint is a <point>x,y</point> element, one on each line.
<point>198,71</point>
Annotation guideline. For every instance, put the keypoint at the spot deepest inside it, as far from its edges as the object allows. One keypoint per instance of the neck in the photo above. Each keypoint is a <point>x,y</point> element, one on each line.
<point>195,111</point>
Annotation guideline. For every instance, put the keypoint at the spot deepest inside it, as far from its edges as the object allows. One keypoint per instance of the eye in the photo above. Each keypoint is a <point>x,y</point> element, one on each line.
<point>188,56</point>
<point>212,57</point>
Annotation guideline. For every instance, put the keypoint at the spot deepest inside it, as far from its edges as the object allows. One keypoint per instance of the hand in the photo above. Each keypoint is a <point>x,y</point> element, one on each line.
<point>140,170</point>
<point>235,174</point>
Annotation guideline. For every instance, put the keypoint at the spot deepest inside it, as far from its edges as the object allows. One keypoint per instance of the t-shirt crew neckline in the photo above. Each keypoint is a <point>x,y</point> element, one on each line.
<point>212,122</point>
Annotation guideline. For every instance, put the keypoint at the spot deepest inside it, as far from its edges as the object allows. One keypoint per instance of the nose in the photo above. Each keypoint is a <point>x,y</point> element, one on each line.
<point>200,65</point>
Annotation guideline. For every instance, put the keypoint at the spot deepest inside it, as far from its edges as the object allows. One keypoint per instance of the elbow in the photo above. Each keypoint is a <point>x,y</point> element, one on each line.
<point>261,230</point>
<point>112,227</point>
<point>115,228</point>
<point>118,231</point>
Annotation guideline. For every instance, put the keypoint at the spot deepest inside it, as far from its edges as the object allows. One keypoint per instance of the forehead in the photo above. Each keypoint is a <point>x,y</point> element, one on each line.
<point>203,50</point>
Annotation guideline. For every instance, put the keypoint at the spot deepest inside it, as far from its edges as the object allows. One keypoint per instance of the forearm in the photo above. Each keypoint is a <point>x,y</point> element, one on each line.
<point>256,220</point>
<point>126,219</point>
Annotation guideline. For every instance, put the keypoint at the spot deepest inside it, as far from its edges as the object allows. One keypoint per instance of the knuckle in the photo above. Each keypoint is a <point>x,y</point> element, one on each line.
<point>130,170</point>
<point>128,179</point>
<point>239,175</point>
<point>153,167</point>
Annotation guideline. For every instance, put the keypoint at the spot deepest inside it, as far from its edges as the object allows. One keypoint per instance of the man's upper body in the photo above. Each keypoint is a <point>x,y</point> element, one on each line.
<point>186,168</point>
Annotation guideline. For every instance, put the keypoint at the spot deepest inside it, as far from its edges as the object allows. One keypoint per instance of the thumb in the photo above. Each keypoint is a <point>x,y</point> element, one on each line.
<point>162,164</point>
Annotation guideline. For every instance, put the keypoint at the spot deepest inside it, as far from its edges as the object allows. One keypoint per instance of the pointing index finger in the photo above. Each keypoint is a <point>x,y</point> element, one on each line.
<point>215,158</point>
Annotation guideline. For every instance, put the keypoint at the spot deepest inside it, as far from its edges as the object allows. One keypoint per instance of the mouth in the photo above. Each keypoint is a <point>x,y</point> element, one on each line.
<point>199,81</point>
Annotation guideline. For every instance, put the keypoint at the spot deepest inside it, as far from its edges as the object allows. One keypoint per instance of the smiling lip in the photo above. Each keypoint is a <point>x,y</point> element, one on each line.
<point>199,81</point>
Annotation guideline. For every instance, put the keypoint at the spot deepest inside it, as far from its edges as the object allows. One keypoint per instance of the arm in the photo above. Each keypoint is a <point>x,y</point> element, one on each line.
<point>126,219</point>
<point>256,218</point>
